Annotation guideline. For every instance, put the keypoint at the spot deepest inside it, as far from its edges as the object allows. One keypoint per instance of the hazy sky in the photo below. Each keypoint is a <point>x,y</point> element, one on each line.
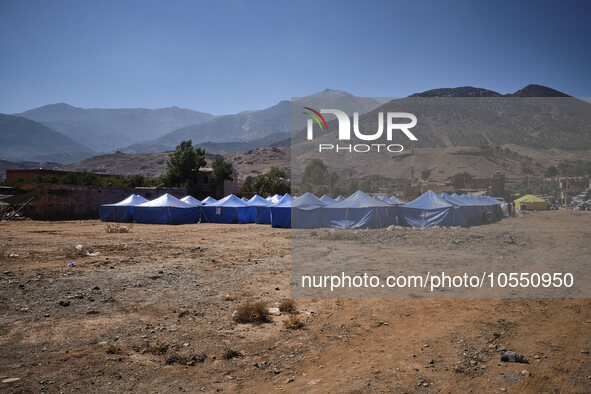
<point>228,56</point>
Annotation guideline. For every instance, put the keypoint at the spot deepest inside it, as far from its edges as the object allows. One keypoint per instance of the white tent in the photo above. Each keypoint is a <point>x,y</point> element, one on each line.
<point>191,201</point>
<point>166,209</point>
<point>209,200</point>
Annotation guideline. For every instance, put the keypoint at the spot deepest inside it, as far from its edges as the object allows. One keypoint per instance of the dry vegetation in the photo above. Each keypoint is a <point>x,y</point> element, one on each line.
<point>287,305</point>
<point>293,322</point>
<point>255,312</point>
<point>118,228</point>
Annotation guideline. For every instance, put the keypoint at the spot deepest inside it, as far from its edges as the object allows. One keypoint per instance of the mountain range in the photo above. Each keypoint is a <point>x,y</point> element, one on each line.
<point>64,133</point>
<point>104,130</point>
<point>24,139</point>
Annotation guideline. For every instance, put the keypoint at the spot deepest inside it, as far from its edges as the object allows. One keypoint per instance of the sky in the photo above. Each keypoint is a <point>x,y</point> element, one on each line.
<point>228,56</point>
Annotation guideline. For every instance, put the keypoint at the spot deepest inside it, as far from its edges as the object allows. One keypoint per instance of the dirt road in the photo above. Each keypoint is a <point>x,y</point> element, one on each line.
<point>152,312</point>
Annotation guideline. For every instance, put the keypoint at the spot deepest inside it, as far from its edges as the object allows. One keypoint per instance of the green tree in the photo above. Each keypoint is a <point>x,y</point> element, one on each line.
<point>273,182</point>
<point>352,187</point>
<point>183,166</point>
<point>318,179</point>
<point>425,174</point>
<point>551,172</point>
<point>222,170</point>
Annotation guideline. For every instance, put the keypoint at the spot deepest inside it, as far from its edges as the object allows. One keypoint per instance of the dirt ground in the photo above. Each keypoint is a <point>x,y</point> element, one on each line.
<point>152,312</point>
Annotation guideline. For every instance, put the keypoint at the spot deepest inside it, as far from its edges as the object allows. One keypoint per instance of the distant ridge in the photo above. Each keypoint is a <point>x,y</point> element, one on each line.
<point>331,93</point>
<point>105,129</point>
<point>242,129</point>
<point>537,91</point>
<point>25,139</point>
<point>463,91</point>
<point>531,90</point>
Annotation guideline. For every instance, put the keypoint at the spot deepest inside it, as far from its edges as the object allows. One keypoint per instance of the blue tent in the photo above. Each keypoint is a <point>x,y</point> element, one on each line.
<point>281,213</point>
<point>391,200</point>
<point>471,211</point>
<point>486,204</point>
<point>274,199</point>
<point>209,200</point>
<point>191,201</point>
<point>262,209</point>
<point>327,199</point>
<point>429,210</point>
<point>359,211</point>
<point>306,211</point>
<point>166,209</point>
<point>339,198</point>
<point>121,211</point>
<point>229,209</point>
<point>396,201</point>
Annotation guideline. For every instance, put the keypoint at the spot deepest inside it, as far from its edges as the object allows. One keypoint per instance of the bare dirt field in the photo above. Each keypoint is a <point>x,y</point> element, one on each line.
<point>152,312</point>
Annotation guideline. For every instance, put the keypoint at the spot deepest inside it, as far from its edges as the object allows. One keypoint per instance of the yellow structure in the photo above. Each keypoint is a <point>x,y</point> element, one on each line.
<point>529,202</point>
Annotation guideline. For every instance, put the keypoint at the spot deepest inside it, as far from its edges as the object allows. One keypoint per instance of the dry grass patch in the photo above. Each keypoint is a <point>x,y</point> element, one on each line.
<point>293,322</point>
<point>287,306</point>
<point>254,312</point>
<point>230,354</point>
<point>157,349</point>
<point>117,228</point>
<point>184,358</point>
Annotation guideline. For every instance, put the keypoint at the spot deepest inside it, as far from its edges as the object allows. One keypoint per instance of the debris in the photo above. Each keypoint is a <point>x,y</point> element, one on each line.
<point>512,357</point>
<point>11,380</point>
<point>65,303</point>
<point>275,311</point>
<point>525,372</point>
<point>79,247</point>
<point>509,239</point>
<point>72,264</point>
<point>13,255</point>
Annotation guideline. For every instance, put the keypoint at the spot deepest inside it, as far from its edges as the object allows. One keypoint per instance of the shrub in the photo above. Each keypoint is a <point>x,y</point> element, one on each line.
<point>287,305</point>
<point>189,358</point>
<point>293,322</point>
<point>230,354</point>
<point>117,228</point>
<point>255,312</point>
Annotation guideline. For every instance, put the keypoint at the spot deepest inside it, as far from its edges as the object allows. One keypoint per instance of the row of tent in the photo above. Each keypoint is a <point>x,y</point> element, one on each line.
<point>308,211</point>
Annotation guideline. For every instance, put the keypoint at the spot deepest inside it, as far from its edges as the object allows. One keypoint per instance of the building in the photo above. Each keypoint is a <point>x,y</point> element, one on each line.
<point>55,201</point>
<point>27,174</point>
<point>230,186</point>
<point>565,182</point>
<point>204,189</point>
<point>410,192</point>
<point>50,201</point>
<point>493,185</point>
